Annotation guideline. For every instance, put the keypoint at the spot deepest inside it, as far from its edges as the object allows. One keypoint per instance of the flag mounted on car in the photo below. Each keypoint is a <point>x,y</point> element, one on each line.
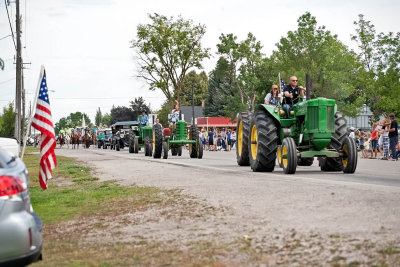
<point>42,121</point>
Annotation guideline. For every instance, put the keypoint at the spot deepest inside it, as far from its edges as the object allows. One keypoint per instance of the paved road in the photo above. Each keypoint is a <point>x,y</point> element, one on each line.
<point>360,206</point>
<point>369,171</point>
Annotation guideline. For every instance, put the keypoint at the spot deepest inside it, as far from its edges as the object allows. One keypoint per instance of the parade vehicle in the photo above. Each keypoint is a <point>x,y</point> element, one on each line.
<point>142,137</point>
<point>102,135</point>
<point>106,141</point>
<point>122,132</point>
<point>314,129</point>
<point>166,139</point>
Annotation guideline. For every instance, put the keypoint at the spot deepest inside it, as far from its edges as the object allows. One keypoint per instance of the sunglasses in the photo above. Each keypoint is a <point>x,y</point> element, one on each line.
<point>294,80</point>
<point>275,88</point>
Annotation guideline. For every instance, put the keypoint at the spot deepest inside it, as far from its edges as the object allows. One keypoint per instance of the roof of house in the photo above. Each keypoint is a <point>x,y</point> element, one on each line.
<point>188,112</point>
<point>215,122</point>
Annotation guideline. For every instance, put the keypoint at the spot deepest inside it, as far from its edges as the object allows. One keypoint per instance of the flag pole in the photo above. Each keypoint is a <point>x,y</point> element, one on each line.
<point>34,108</point>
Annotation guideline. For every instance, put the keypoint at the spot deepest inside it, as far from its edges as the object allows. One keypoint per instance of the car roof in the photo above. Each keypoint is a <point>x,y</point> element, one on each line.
<point>123,123</point>
<point>10,145</point>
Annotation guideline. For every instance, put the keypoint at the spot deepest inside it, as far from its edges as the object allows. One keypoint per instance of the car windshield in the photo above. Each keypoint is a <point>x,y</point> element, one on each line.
<point>109,132</point>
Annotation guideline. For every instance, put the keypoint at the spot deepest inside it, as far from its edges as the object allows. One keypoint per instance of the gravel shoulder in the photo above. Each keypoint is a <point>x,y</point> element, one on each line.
<point>308,218</point>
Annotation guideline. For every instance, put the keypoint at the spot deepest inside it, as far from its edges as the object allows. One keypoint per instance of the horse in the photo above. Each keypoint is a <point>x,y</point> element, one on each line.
<point>94,139</point>
<point>67,140</point>
<point>86,140</point>
<point>61,138</point>
<point>75,140</point>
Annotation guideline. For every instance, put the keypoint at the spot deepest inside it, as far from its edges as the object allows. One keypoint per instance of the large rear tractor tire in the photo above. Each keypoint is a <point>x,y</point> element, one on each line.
<point>174,151</point>
<point>117,146</point>
<point>136,145</point>
<point>193,135</point>
<point>263,142</point>
<point>157,141</point>
<point>349,158</point>
<point>335,164</point>
<point>165,150</point>
<point>289,156</point>
<point>243,133</point>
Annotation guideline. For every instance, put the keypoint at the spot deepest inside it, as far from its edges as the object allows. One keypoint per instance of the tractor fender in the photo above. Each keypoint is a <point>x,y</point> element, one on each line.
<point>273,111</point>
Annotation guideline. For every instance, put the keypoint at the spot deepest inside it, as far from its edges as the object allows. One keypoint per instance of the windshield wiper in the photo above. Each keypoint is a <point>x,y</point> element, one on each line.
<point>12,159</point>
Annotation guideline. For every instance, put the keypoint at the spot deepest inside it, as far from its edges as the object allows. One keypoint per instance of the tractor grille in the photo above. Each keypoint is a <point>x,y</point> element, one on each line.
<point>330,118</point>
<point>312,118</point>
<point>180,130</point>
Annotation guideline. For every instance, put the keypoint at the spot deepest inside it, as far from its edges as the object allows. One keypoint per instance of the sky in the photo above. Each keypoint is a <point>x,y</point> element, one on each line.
<point>85,45</point>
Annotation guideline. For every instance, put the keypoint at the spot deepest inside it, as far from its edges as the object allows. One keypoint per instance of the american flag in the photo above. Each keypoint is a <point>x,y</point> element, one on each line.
<point>282,84</point>
<point>42,121</point>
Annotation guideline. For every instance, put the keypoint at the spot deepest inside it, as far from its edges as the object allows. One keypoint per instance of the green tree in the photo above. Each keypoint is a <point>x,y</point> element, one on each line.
<point>107,119</point>
<point>220,93</point>
<point>166,50</point>
<point>244,58</point>
<point>121,113</point>
<point>162,114</point>
<point>199,84</point>
<point>62,124</point>
<point>138,106</point>
<point>380,55</point>
<point>74,119</point>
<point>334,70</point>
<point>7,121</point>
<point>99,117</point>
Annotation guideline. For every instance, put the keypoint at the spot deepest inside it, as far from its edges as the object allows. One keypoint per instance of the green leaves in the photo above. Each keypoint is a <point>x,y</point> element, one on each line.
<point>166,50</point>
<point>380,58</point>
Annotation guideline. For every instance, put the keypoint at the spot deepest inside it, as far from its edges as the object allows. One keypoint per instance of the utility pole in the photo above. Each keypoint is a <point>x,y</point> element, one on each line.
<point>18,97</point>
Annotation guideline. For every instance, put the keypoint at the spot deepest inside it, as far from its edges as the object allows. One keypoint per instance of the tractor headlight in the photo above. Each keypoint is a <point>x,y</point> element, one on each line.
<point>276,109</point>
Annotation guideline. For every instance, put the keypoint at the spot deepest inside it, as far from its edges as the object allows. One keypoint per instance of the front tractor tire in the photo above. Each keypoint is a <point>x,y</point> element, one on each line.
<point>157,141</point>
<point>193,148</point>
<point>147,147</point>
<point>349,158</point>
<point>335,164</point>
<point>243,133</point>
<point>165,150</point>
<point>131,144</point>
<point>289,156</point>
<point>263,142</point>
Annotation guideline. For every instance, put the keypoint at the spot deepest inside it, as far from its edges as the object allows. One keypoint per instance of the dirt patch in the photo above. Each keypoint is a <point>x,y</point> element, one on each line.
<point>181,230</point>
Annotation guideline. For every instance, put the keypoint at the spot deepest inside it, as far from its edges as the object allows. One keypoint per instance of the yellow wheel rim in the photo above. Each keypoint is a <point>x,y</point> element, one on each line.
<point>254,144</point>
<point>240,138</point>
<point>284,153</point>
<point>279,154</point>
<point>345,155</point>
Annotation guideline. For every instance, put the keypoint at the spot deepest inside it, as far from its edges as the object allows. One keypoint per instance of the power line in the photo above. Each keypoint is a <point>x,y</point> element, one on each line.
<point>9,21</point>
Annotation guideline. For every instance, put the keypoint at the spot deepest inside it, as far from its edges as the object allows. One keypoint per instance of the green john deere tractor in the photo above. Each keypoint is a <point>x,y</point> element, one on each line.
<point>314,129</point>
<point>165,140</point>
<point>141,137</point>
